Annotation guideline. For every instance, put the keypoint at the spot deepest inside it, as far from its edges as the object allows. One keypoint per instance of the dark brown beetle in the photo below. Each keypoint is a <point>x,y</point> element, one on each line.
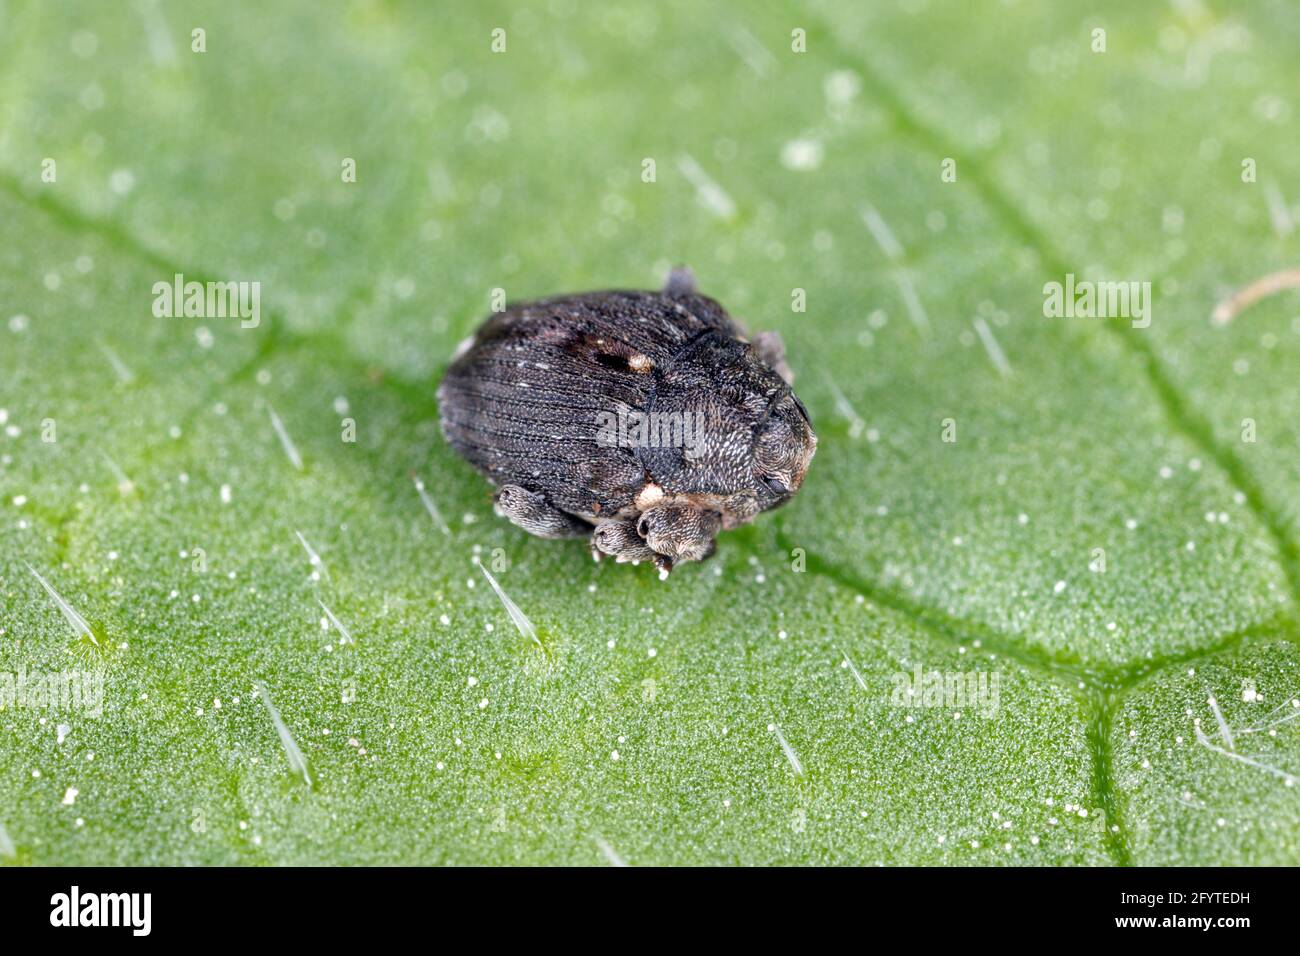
<point>645,420</point>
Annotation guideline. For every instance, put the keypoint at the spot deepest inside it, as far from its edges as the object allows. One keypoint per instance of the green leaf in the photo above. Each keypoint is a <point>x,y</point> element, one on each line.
<point>300,665</point>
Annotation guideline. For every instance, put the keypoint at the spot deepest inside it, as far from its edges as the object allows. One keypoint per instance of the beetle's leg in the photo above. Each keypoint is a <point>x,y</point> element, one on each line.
<point>536,515</point>
<point>620,539</point>
<point>679,533</point>
<point>771,349</point>
<point>680,281</point>
<point>665,564</point>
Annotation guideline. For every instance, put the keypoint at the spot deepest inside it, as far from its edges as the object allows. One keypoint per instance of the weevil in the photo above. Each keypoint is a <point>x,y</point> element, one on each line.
<point>646,422</point>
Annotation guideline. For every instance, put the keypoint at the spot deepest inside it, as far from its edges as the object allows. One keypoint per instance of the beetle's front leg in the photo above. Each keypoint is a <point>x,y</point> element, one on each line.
<point>536,515</point>
<point>619,538</point>
<point>679,532</point>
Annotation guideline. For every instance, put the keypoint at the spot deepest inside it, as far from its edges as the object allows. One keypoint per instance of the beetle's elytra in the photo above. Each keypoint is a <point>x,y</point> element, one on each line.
<point>646,421</point>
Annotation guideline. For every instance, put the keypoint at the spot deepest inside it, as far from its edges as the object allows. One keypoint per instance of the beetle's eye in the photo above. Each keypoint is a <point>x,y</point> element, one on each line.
<point>776,485</point>
<point>643,526</point>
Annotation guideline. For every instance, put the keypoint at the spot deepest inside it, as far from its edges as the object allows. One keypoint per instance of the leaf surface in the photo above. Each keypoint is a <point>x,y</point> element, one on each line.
<point>1098,542</point>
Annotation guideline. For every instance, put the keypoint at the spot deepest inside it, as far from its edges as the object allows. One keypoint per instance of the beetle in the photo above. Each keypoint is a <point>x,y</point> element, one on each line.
<point>647,422</point>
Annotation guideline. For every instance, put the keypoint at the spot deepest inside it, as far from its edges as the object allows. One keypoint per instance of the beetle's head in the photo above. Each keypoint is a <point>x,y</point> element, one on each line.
<point>784,444</point>
<point>750,437</point>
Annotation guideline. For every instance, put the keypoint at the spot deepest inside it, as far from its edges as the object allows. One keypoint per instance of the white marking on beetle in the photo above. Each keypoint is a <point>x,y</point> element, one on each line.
<point>429,506</point>
<point>790,755</point>
<point>285,441</point>
<point>297,762</point>
<point>708,193</point>
<point>346,635</point>
<point>78,622</point>
<point>517,616</point>
<point>463,346</point>
<point>640,363</point>
<point>648,496</point>
<point>991,346</point>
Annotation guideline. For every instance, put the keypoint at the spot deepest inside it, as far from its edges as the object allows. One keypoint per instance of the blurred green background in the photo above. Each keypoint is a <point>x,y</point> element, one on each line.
<point>1099,536</point>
